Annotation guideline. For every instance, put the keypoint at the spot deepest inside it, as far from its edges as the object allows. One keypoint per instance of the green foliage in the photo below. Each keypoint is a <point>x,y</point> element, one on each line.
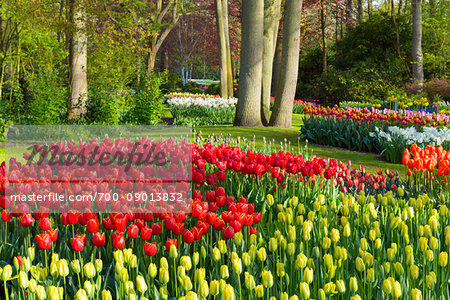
<point>171,83</point>
<point>345,104</point>
<point>193,88</point>
<point>338,132</point>
<point>434,88</point>
<point>147,101</point>
<point>48,97</point>
<point>213,89</point>
<point>199,115</point>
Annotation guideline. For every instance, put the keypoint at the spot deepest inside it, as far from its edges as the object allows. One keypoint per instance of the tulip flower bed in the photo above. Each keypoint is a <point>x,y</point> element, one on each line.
<point>278,226</point>
<point>400,118</point>
<point>201,109</point>
<point>298,107</point>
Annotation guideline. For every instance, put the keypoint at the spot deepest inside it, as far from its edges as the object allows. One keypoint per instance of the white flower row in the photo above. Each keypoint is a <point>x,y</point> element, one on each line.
<point>214,102</point>
<point>429,135</point>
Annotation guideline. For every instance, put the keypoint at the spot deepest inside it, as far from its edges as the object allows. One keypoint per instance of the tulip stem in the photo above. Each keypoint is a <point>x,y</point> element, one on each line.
<point>6,290</point>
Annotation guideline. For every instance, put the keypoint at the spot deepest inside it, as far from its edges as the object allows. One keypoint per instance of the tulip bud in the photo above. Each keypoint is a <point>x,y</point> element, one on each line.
<point>106,295</point>
<point>259,291</point>
<point>53,270</point>
<point>216,254</point>
<point>292,235</point>
<point>163,276</point>
<point>340,286</point>
<point>300,262</point>
<point>246,259</point>
<point>98,265</point>
<point>224,274</point>
<point>414,272</point>
<point>196,256</point>
<point>203,289</point>
<point>371,275</point>
<point>249,281</point>
<point>7,272</point>
<point>416,294</point>
<point>273,245</point>
<point>81,295</point>
<point>89,289</point>
<point>434,243</point>
<point>399,269</point>
<point>31,253</point>
<point>75,265</point>
<point>163,263</point>
<point>53,293</point>
<point>396,290</point>
<point>123,275</point>
<point>141,284</point>
<point>353,284</point>
<point>291,249</point>
<point>430,280</point>
<point>280,270</point>
<point>186,283</point>
<point>443,259</point>
<point>163,293</point>
<point>387,288</point>
<point>89,270</point>
<point>237,265</point>
<point>308,275</point>
<point>228,292</point>
<point>262,255</point>
<point>326,243</point>
<point>304,290</point>
<point>152,270</point>
<point>23,280</point>
<point>347,230</point>
<point>40,292</point>
<point>360,264</point>
<point>173,253</point>
<point>270,200</point>
<point>267,278</point>
<point>390,253</point>
<point>329,288</point>
<point>214,288</point>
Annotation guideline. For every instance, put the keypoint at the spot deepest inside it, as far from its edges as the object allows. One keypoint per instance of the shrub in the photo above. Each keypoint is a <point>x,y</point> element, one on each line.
<point>433,88</point>
<point>193,88</point>
<point>213,89</point>
<point>171,82</point>
<point>345,104</point>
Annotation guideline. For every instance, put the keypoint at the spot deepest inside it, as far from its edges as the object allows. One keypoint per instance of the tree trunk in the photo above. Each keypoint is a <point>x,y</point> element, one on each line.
<point>276,65</point>
<point>78,64</point>
<point>248,111</point>
<point>360,10</point>
<point>369,8</point>
<point>324,39</point>
<point>229,66</point>
<point>221,38</point>
<point>151,58</point>
<point>268,54</point>
<point>349,10</point>
<point>392,8</point>
<point>284,100</point>
<point>417,65</point>
<point>400,3</point>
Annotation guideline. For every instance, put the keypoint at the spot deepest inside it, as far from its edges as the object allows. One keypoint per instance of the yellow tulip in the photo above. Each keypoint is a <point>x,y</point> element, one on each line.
<point>304,290</point>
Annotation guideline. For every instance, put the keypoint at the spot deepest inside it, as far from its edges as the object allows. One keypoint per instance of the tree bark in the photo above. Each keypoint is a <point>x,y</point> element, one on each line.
<point>417,65</point>
<point>270,20</point>
<point>324,40</point>
<point>78,63</point>
<point>222,48</point>
<point>360,10</point>
<point>284,100</point>
<point>229,66</point>
<point>248,111</point>
<point>276,65</point>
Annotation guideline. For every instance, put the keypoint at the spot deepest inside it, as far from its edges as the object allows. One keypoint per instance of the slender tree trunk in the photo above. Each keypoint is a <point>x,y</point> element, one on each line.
<point>221,38</point>
<point>392,8</point>
<point>248,111</point>
<point>417,65</point>
<point>324,39</point>
<point>284,100</point>
<point>78,49</point>
<point>360,10</point>
<point>369,8</point>
<point>276,65</point>
<point>229,60</point>
<point>268,54</point>
<point>349,10</point>
<point>399,10</point>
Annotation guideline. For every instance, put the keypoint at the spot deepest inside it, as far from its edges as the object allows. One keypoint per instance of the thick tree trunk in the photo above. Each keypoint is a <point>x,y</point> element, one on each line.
<point>221,38</point>
<point>276,65</point>
<point>270,13</point>
<point>78,63</point>
<point>284,100</point>
<point>229,61</point>
<point>360,10</point>
<point>324,39</point>
<point>248,111</point>
<point>151,58</point>
<point>417,65</point>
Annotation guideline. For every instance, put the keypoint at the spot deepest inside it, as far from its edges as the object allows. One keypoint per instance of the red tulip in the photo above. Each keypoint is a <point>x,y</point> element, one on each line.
<point>77,244</point>
<point>188,236</point>
<point>92,225</point>
<point>43,241</point>
<point>156,228</point>
<point>121,224</point>
<point>53,233</point>
<point>228,232</point>
<point>6,217</point>
<point>45,224</point>
<point>253,230</point>
<point>26,220</point>
<point>98,239</point>
<point>150,249</point>
<point>73,217</point>
<point>118,240</point>
<point>108,223</point>
<point>169,243</point>
<point>19,259</point>
<point>133,231</point>
<point>146,233</point>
